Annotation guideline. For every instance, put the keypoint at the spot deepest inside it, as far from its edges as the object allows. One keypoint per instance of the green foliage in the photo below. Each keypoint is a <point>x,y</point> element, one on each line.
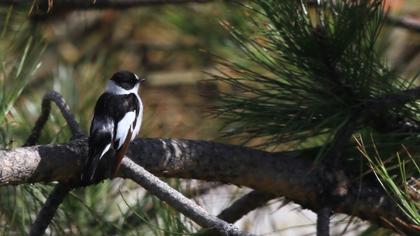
<point>110,208</point>
<point>398,186</point>
<point>18,206</point>
<point>20,51</point>
<point>307,71</point>
<point>293,84</point>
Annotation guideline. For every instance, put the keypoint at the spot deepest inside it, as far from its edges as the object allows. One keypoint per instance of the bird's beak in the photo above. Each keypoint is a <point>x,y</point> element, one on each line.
<point>142,79</point>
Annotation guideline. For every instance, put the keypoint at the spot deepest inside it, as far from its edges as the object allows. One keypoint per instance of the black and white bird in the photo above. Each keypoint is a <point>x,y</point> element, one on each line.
<point>116,122</point>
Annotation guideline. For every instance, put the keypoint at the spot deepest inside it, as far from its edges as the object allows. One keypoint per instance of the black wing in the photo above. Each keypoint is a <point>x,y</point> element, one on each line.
<point>109,109</point>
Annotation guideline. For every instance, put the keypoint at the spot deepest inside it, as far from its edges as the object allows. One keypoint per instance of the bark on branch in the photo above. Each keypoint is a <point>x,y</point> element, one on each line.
<point>48,210</point>
<point>240,208</point>
<point>289,174</point>
<point>409,23</point>
<point>178,201</point>
<point>137,173</point>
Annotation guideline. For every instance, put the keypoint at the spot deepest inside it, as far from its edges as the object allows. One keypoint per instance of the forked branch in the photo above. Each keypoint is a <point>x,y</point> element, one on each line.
<point>135,172</point>
<point>175,199</point>
<point>48,210</point>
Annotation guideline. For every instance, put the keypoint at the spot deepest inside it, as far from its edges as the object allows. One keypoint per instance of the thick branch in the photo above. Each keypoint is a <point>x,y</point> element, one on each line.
<point>289,174</point>
<point>137,173</point>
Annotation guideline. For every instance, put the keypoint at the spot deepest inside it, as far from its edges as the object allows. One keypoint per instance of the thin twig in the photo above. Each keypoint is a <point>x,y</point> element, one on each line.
<point>244,205</point>
<point>175,199</point>
<point>240,208</point>
<point>374,109</point>
<point>48,210</point>
<point>404,22</point>
<point>55,97</point>
<point>394,100</point>
<point>323,221</point>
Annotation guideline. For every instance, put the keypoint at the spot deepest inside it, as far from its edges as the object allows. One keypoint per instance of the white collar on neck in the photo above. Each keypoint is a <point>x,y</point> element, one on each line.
<point>113,88</point>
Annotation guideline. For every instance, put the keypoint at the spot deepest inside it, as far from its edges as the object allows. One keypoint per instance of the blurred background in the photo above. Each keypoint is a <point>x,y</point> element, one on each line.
<point>176,47</point>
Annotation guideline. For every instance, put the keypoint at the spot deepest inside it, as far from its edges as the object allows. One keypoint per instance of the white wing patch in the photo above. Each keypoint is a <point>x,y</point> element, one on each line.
<point>124,125</point>
<point>139,119</point>
<point>105,150</point>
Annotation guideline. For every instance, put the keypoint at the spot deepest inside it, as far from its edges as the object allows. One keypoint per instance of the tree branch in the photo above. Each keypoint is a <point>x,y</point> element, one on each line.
<point>49,97</point>
<point>394,100</point>
<point>47,212</point>
<point>335,180</point>
<point>244,205</point>
<point>240,208</point>
<point>56,197</point>
<point>404,22</point>
<point>137,173</point>
<point>175,199</point>
<point>323,222</point>
<point>42,9</point>
<point>289,174</point>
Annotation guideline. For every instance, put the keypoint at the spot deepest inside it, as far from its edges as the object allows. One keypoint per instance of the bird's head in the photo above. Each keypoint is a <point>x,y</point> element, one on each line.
<point>123,82</point>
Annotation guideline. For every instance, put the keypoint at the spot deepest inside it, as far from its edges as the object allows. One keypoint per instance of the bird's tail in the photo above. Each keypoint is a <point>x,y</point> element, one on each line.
<point>89,170</point>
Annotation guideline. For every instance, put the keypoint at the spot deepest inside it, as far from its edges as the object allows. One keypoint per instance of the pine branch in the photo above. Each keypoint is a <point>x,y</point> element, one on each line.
<point>48,98</point>
<point>323,221</point>
<point>175,199</point>
<point>404,22</point>
<point>244,205</point>
<point>394,100</point>
<point>137,173</point>
<point>48,210</point>
<point>61,190</point>
<point>288,174</point>
<point>240,208</point>
<point>153,184</point>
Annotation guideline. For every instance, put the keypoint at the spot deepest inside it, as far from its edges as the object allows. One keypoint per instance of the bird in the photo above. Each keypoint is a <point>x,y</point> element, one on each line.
<point>116,122</point>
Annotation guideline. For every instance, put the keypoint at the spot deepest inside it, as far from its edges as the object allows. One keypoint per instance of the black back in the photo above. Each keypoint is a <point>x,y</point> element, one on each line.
<point>109,110</point>
<point>115,107</point>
